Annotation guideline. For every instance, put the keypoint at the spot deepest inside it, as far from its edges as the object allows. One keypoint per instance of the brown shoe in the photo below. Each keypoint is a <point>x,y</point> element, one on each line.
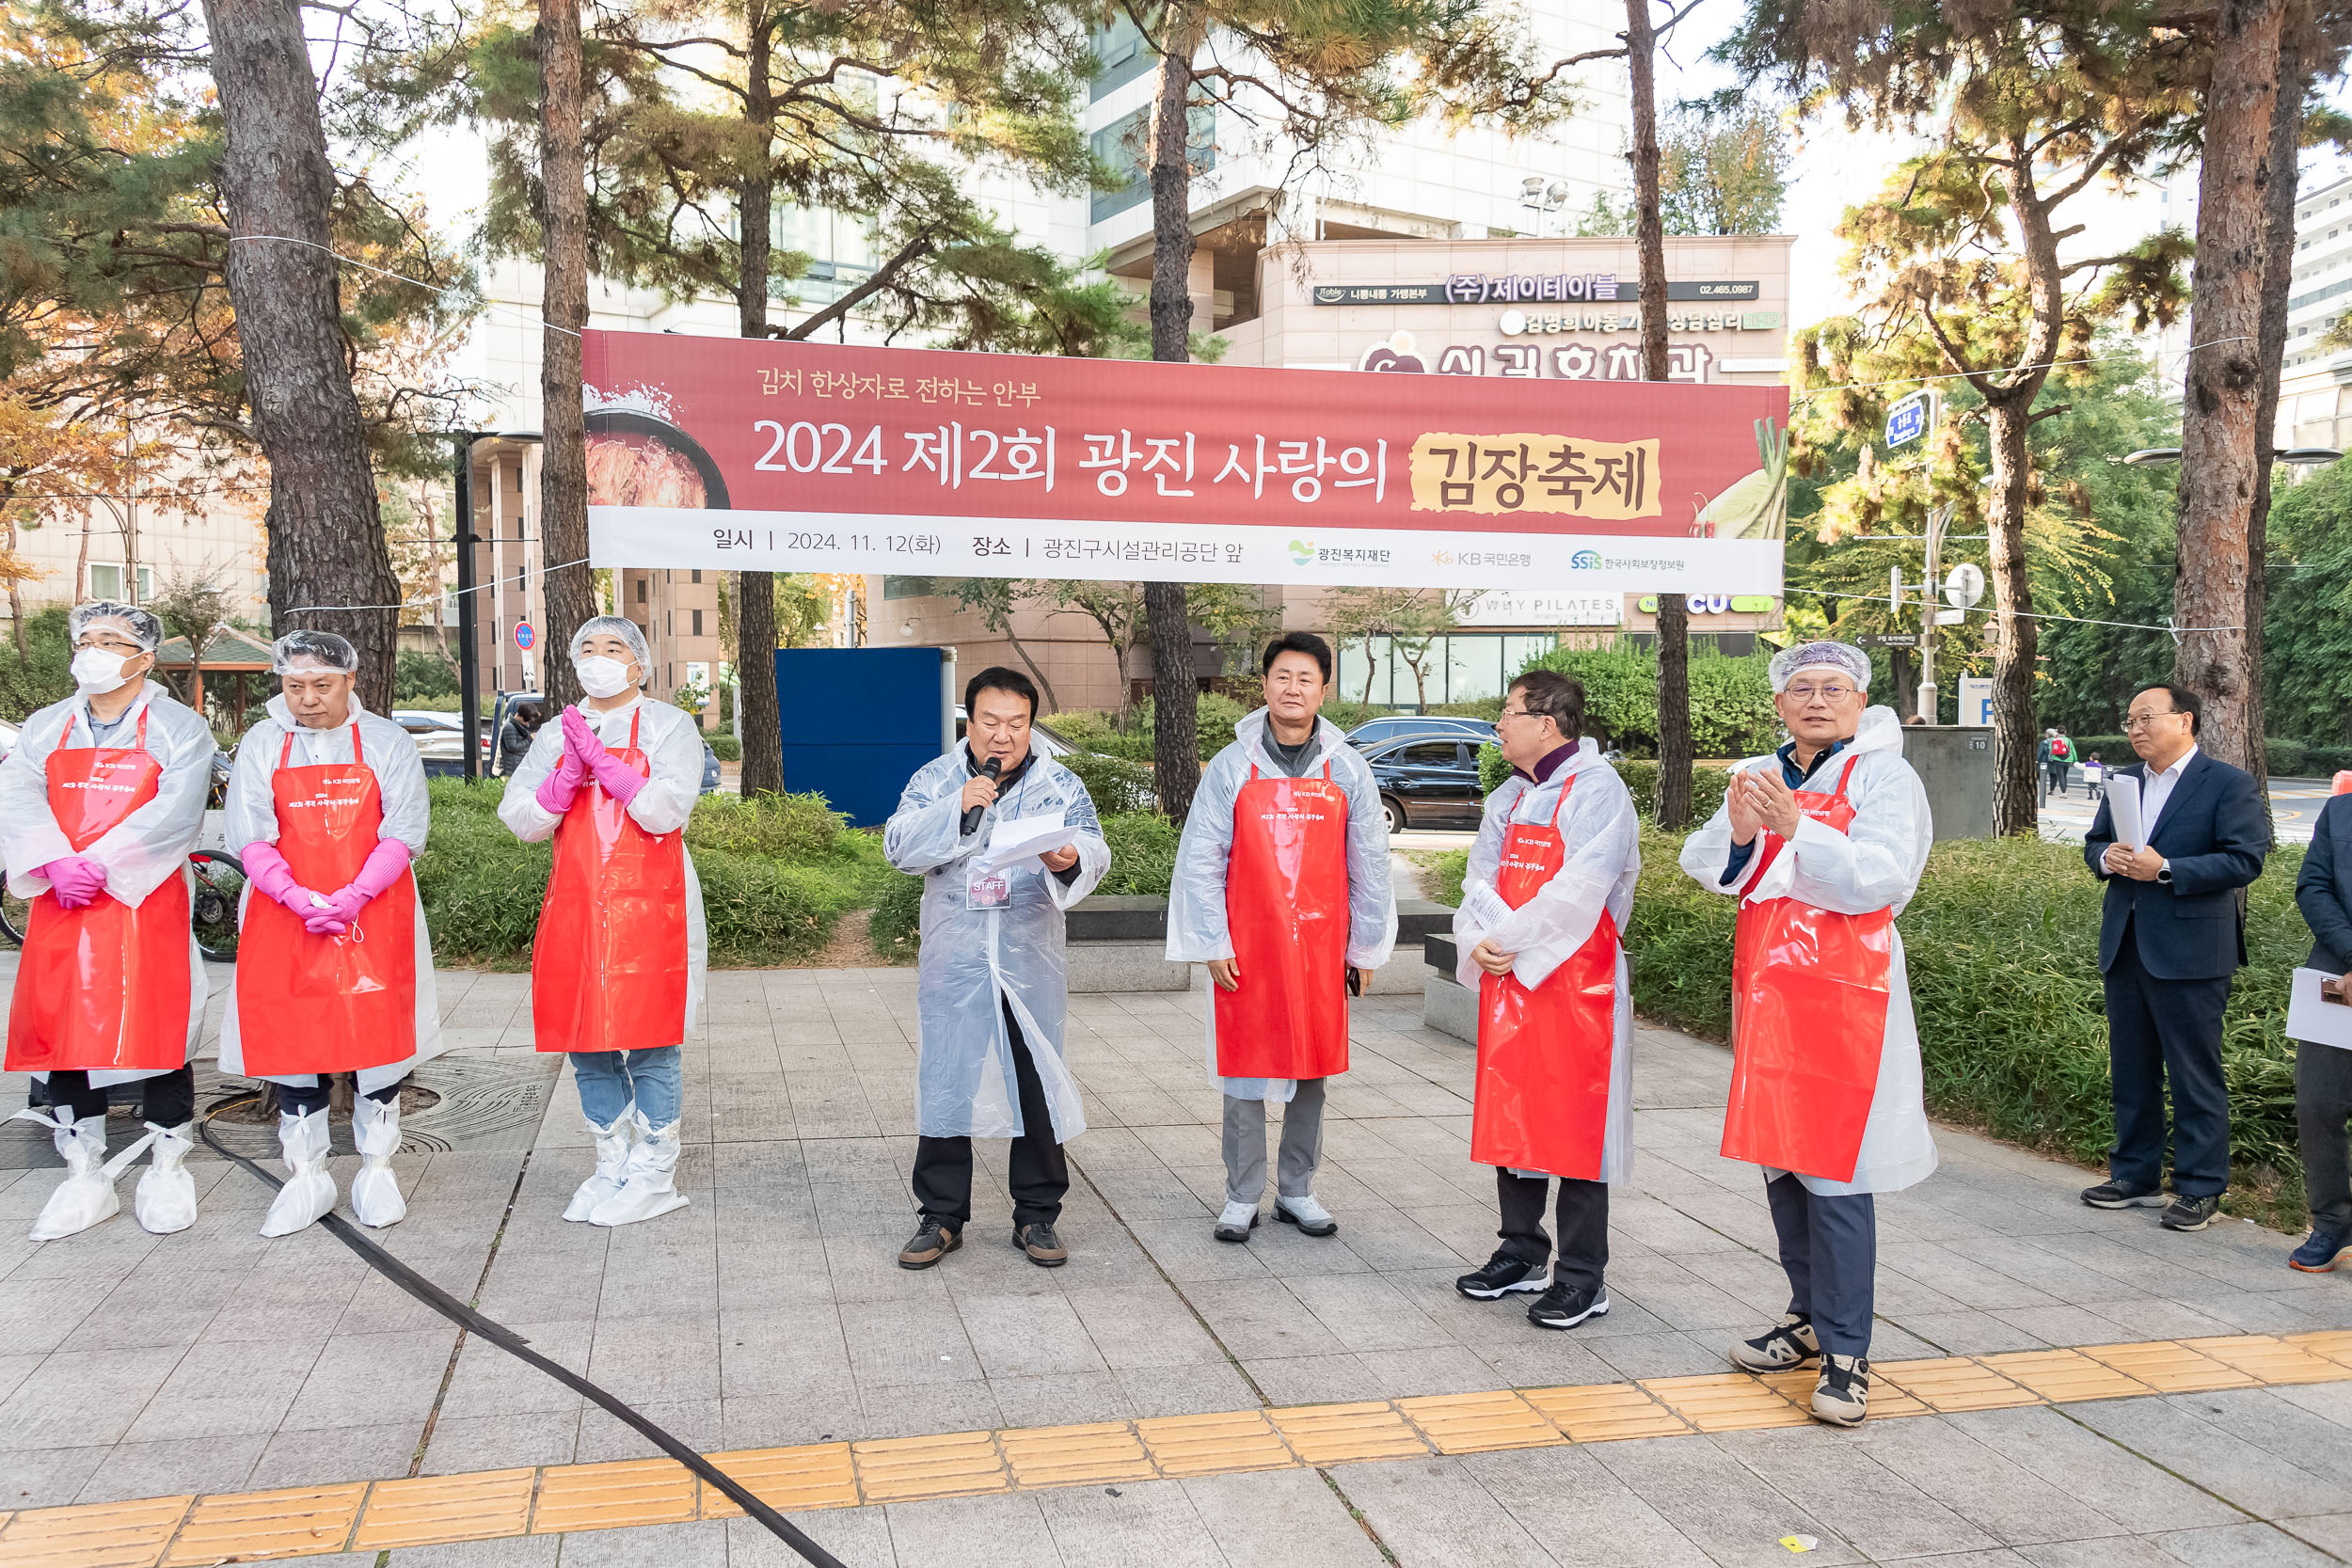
<point>1043,1248</point>
<point>932,1242</point>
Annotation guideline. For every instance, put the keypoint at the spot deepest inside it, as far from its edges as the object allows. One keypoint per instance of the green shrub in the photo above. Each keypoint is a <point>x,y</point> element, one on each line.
<point>1347,714</point>
<point>895,930</point>
<point>2113,749</point>
<point>1706,790</point>
<point>758,911</point>
<point>1100,732</point>
<point>1143,854</point>
<point>419,674</point>
<point>2287,757</point>
<point>1492,769</point>
<point>1488,709</point>
<point>725,744</point>
<point>482,887</point>
<point>451,704</point>
<point>781,826</point>
<point>1218,714</point>
<point>1113,784</point>
<point>1731,699</point>
<point>1441,874</point>
<point>43,676</point>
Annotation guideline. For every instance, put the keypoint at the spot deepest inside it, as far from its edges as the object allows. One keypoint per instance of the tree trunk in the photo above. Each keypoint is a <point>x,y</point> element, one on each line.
<point>755,695</point>
<point>1176,721</point>
<point>2220,474</point>
<point>571,589</point>
<point>326,543</point>
<point>16,601</point>
<point>2015,807</point>
<point>2286,141</point>
<point>1673,809</point>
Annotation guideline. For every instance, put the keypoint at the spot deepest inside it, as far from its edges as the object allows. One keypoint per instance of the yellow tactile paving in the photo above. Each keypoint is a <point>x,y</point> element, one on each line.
<point>1343,1433</point>
<point>1472,1423</point>
<point>954,1465</point>
<point>254,1526</point>
<point>1606,1413</point>
<point>433,1508</point>
<point>2065,1375</point>
<point>2270,1359</point>
<point>605,1496</point>
<point>816,1475</point>
<point>1213,1445</point>
<point>1951,1383</point>
<point>2170,1367</point>
<point>96,1535</point>
<point>1727,1402</point>
<point>183,1532</point>
<point>1066,1456</point>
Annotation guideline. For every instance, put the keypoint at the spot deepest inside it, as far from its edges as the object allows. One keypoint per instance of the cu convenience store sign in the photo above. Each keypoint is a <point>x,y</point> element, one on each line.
<point>738,453</point>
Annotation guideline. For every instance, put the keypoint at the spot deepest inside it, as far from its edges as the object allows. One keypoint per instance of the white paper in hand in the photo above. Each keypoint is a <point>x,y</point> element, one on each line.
<point>2314,1015</point>
<point>1484,908</point>
<point>1016,845</point>
<point>2123,811</point>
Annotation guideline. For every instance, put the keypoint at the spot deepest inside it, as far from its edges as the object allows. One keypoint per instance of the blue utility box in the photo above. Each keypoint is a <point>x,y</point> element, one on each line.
<point>858,722</point>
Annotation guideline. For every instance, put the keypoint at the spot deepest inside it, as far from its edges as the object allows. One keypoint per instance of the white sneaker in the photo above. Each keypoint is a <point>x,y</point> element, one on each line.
<point>1308,1213</point>
<point>647,1190</point>
<point>165,1198</point>
<point>308,1194</point>
<point>376,1199</point>
<point>87,1195</point>
<point>612,1146</point>
<point>1237,1221</point>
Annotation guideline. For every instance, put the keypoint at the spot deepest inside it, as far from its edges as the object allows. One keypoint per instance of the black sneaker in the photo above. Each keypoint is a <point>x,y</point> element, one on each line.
<point>1842,1397</point>
<point>1564,1306</point>
<point>2192,1214</point>
<point>1788,1343</point>
<point>2122,1194</point>
<point>1502,1274</point>
<point>1043,1248</point>
<point>932,1241</point>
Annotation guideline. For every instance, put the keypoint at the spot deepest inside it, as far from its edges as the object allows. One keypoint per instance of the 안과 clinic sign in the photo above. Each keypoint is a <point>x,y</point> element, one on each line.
<point>745,455</point>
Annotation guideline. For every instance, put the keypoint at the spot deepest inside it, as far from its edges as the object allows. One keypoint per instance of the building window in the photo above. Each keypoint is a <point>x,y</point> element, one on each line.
<point>698,618</point>
<point>105,582</point>
<point>1119,49</point>
<point>1121,144</point>
<point>914,588</point>
<point>641,590</point>
<point>698,577</point>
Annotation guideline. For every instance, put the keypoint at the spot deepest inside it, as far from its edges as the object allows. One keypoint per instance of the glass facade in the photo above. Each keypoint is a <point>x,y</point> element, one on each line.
<point>1463,667</point>
<point>1120,144</point>
<point>1119,49</point>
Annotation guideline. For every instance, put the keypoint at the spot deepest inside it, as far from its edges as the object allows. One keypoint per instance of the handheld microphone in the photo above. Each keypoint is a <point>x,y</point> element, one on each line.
<point>989,770</point>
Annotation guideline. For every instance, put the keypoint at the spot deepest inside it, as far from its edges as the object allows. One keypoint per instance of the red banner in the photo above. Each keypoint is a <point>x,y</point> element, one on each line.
<point>813,457</point>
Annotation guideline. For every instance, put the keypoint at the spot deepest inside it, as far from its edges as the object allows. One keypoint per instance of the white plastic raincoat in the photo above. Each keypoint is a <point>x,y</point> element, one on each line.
<point>388,752</point>
<point>673,743</point>
<point>142,850</point>
<point>973,957</point>
<point>1601,840</point>
<point>1875,864</point>
<point>1197,929</point>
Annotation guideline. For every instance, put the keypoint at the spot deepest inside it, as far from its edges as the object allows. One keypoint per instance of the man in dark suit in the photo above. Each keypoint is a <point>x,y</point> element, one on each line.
<point>2323,1073</point>
<point>2171,936</point>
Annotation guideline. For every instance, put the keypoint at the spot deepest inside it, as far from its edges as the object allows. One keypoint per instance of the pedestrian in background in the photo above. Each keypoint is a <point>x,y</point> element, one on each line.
<point>516,736</point>
<point>2323,1073</point>
<point>2058,760</point>
<point>2170,936</point>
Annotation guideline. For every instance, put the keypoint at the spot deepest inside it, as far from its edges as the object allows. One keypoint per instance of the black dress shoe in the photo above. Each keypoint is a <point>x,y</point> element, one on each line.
<point>932,1241</point>
<point>1043,1248</point>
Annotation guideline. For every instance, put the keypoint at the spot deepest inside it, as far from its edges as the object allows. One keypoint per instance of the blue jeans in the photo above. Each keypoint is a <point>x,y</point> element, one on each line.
<point>609,1080</point>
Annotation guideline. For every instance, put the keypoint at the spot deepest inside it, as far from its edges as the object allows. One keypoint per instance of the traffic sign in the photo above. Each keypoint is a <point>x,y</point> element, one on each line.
<point>524,636</point>
<point>1889,640</point>
<point>1907,421</point>
<point>1950,617</point>
<point>1965,586</point>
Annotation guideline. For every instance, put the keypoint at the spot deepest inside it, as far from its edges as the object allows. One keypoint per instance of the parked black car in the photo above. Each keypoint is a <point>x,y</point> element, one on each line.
<point>1396,726</point>
<point>1428,782</point>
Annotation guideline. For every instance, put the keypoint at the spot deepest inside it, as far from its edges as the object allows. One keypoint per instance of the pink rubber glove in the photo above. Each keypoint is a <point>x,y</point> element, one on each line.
<point>557,792</point>
<point>75,881</point>
<point>274,879</point>
<point>580,737</point>
<point>323,923</point>
<point>617,778</point>
<point>383,867</point>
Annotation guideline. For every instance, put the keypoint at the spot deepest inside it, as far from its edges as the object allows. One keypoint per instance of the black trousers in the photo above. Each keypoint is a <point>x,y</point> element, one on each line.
<point>302,1102</point>
<point>1829,1248</point>
<point>2160,1032</point>
<point>1583,1218</point>
<point>1040,1177</point>
<point>2323,1106</point>
<point>168,1099</point>
<point>2057,774</point>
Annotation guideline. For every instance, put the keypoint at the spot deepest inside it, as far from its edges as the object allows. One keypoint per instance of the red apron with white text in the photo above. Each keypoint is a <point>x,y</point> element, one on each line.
<point>1808,1018</point>
<point>1544,1054</point>
<point>325,1004</point>
<point>608,969</point>
<point>105,985</point>
<point>1286,911</point>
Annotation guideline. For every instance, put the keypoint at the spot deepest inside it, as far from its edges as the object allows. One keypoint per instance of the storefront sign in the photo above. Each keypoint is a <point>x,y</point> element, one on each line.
<point>1502,606</point>
<point>1478,288</point>
<point>1401,353</point>
<point>742,453</point>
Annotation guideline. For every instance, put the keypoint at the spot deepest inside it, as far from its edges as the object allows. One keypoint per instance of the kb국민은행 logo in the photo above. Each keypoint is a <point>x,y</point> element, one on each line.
<point>1585,560</point>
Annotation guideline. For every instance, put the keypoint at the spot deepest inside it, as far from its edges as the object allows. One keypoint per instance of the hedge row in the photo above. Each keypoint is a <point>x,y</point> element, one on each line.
<point>2289,759</point>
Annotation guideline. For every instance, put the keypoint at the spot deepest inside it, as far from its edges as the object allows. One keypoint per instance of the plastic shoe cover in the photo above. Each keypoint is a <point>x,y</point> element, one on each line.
<point>166,1200</point>
<point>612,1146</point>
<point>376,1199</point>
<point>87,1195</point>
<point>646,1182</point>
<point>310,1191</point>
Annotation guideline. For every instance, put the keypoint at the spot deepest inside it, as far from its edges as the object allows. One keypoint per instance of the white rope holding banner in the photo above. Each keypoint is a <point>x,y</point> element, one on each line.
<point>2019,615</point>
<point>429,598</point>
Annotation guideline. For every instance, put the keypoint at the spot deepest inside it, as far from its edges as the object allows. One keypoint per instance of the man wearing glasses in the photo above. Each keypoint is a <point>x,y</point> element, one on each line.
<point>2171,937</point>
<point>1822,843</point>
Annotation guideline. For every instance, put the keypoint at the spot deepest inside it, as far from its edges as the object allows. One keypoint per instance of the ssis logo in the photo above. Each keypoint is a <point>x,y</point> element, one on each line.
<point>1585,560</point>
<point>1302,551</point>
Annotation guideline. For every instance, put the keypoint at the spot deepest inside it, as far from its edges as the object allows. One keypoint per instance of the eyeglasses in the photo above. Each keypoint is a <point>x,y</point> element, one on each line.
<point>1806,693</point>
<point>2141,721</point>
<point>1514,713</point>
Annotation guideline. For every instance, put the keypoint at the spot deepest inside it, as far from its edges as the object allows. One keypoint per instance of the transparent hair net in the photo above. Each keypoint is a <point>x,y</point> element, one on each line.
<point>1844,656</point>
<point>136,623</point>
<point>323,649</point>
<point>614,626</point>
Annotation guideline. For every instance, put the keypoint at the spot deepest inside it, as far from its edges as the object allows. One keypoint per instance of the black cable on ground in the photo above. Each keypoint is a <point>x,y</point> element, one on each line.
<point>514,1344</point>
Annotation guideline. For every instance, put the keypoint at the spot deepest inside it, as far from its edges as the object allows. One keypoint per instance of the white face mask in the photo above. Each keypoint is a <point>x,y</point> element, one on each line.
<point>96,671</point>
<point>600,676</point>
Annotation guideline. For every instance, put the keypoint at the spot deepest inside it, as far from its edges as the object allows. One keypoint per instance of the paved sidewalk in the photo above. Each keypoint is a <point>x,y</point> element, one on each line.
<point>772,1313</point>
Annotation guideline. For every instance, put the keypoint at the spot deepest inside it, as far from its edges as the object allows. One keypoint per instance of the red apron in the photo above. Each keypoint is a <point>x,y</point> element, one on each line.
<point>1544,1055</point>
<point>1808,1018</point>
<point>325,1004</point>
<point>608,969</point>
<point>1286,911</point>
<point>105,985</point>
